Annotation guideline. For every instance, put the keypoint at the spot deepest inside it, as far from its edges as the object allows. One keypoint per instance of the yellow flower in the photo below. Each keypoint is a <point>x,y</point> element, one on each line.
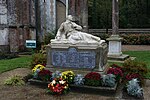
<point>39,66</point>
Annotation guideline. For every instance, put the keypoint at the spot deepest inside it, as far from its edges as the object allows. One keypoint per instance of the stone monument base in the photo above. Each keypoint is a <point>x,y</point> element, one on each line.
<point>115,53</point>
<point>122,57</point>
<point>80,57</point>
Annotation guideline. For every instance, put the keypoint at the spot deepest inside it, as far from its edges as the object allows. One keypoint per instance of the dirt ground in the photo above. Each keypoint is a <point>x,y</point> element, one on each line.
<point>31,92</point>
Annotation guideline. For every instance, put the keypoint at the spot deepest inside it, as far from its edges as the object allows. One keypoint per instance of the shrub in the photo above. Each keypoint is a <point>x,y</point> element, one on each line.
<point>133,66</point>
<point>15,81</point>
<point>38,58</point>
<point>93,79</point>
<point>136,39</point>
<point>49,36</point>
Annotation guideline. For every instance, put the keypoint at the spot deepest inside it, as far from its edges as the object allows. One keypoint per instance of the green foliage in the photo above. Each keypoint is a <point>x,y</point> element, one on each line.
<point>48,37</point>
<point>19,62</point>
<point>38,58</point>
<point>141,56</point>
<point>134,89</point>
<point>132,13</point>
<point>92,79</point>
<point>136,39</point>
<point>133,66</point>
<point>99,13</point>
<point>91,82</point>
<point>108,80</point>
<point>15,81</point>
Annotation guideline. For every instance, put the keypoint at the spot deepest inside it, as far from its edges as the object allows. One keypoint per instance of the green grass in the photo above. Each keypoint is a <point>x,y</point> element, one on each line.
<point>9,64</point>
<point>143,56</point>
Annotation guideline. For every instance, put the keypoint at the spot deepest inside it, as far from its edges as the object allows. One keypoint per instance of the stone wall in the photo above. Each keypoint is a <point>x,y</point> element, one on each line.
<point>3,26</point>
<point>17,21</point>
<point>47,16</point>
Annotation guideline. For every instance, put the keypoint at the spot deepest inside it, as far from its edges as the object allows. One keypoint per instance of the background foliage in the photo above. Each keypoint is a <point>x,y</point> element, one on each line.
<point>132,13</point>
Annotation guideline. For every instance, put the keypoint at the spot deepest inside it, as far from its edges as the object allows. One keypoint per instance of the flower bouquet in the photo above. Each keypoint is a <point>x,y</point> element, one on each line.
<point>115,71</point>
<point>92,79</point>
<point>38,66</point>
<point>36,70</point>
<point>45,75</point>
<point>58,86</point>
<point>68,76</point>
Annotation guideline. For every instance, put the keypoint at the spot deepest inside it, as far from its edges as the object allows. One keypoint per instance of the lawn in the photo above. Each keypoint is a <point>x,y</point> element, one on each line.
<point>9,64</point>
<point>143,56</point>
<point>24,61</point>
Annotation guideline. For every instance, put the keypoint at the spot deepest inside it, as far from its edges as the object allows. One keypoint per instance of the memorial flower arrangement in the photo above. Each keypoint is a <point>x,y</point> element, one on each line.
<point>130,76</point>
<point>134,89</point>
<point>108,80</point>
<point>115,71</point>
<point>56,74</point>
<point>92,79</point>
<point>45,75</point>
<point>58,86</point>
<point>40,73</point>
<point>79,79</point>
<point>68,76</point>
<point>38,67</point>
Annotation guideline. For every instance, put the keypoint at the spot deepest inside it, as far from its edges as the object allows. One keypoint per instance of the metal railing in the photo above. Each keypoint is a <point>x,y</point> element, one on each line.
<point>136,30</point>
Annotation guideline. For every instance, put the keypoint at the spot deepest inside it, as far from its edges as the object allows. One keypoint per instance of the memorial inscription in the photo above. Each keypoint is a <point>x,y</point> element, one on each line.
<point>73,58</point>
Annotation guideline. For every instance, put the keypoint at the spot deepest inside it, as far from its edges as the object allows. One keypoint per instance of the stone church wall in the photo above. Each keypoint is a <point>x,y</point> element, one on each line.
<point>17,21</point>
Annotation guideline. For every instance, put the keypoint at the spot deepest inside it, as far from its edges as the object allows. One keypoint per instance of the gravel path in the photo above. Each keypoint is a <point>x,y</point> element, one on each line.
<point>135,47</point>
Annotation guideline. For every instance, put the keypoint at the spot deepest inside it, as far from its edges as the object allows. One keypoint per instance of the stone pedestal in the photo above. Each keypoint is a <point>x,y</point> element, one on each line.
<point>114,52</point>
<point>80,57</point>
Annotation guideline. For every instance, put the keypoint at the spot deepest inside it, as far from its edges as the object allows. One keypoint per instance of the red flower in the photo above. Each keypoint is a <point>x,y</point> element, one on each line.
<point>45,75</point>
<point>58,86</point>
<point>133,75</point>
<point>93,75</point>
<point>45,72</point>
<point>116,71</point>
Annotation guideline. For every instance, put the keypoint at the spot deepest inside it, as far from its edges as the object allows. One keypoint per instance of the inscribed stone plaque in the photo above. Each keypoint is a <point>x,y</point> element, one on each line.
<point>73,58</point>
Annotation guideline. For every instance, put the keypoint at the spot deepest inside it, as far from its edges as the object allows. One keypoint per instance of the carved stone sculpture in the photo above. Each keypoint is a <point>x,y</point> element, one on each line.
<point>71,32</point>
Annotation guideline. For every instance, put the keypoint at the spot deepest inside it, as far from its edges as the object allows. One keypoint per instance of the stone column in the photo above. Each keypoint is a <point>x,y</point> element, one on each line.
<point>79,9</point>
<point>115,39</point>
<point>84,12</point>
<point>4,45</point>
<point>48,16</point>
